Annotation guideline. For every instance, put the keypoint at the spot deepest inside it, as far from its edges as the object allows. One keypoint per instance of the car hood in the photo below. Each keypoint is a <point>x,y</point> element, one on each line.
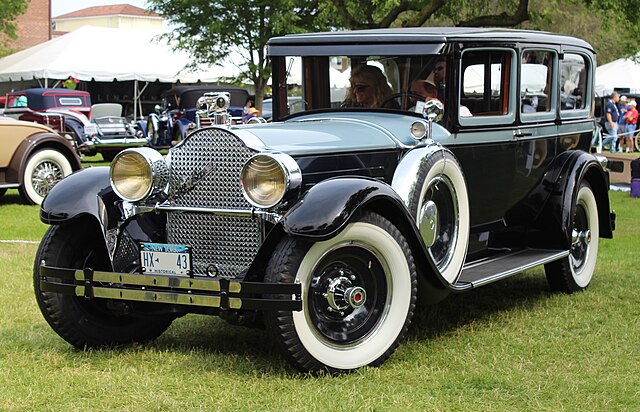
<point>335,133</point>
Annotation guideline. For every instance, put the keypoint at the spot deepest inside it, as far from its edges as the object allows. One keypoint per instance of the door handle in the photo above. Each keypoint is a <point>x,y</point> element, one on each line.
<point>519,133</point>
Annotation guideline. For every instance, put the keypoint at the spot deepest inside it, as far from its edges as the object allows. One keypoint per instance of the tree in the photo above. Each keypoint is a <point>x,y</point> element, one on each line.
<point>11,9</point>
<point>609,25</point>
<point>210,31</point>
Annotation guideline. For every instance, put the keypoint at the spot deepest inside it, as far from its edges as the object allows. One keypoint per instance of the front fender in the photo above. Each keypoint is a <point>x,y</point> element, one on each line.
<point>328,206</point>
<point>85,193</point>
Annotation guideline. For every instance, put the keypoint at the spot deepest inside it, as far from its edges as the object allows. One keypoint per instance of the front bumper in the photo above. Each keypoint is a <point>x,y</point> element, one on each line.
<point>174,290</point>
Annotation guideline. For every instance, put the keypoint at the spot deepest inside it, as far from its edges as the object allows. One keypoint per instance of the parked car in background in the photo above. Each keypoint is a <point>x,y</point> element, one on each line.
<point>177,115</point>
<point>69,112</point>
<point>295,104</point>
<point>33,159</point>
<point>329,223</point>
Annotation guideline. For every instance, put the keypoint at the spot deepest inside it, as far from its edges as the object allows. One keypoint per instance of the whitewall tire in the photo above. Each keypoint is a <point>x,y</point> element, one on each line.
<point>359,291</point>
<point>44,169</point>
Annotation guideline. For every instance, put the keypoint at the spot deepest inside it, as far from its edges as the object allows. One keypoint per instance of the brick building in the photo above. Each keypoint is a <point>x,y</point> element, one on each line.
<point>34,26</point>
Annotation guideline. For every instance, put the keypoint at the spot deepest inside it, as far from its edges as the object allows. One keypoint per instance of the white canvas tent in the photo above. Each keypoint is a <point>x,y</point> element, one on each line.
<point>621,73</point>
<point>104,55</point>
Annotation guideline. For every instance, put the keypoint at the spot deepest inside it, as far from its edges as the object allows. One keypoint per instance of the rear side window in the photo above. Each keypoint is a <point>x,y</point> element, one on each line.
<point>574,70</point>
<point>486,83</point>
<point>536,81</point>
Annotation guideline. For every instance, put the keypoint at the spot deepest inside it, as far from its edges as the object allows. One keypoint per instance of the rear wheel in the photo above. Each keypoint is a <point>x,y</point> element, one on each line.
<point>636,142</point>
<point>574,273</point>
<point>44,169</point>
<point>359,293</point>
<point>82,322</point>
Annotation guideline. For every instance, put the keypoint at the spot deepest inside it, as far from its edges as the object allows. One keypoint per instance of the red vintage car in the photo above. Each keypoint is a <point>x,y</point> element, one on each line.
<point>71,113</point>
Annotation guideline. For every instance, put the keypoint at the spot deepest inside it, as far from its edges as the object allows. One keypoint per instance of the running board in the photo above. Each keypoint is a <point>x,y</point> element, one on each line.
<point>490,270</point>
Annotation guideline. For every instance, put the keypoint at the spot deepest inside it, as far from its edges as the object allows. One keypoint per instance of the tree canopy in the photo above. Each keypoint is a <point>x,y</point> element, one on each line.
<point>11,9</point>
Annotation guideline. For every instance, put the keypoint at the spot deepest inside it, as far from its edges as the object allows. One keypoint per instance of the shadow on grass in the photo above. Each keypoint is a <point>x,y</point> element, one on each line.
<point>522,290</point>
<point>210,344</point>
<point>12,197</point>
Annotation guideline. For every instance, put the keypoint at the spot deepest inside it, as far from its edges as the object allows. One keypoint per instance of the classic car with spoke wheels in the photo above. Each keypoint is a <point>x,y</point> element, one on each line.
<point>99,128</point>
<point>34,158</point>
<point>329,224</point>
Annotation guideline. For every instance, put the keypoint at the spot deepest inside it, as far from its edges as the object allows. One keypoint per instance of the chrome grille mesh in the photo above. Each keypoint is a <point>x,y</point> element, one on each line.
<point>212,160</point>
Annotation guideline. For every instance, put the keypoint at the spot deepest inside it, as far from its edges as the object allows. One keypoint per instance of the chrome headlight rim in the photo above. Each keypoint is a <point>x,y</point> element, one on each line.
<point>292,178</point>
<point>156,179</point>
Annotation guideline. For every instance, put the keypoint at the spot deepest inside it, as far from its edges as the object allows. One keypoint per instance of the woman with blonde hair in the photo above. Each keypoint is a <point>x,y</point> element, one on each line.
<point>369,88</point>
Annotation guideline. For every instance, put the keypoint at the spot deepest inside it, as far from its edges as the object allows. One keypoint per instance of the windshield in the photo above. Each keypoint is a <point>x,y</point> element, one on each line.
<point>400,83</point>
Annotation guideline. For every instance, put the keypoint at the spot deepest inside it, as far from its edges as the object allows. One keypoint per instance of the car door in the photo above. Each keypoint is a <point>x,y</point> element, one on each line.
<point>484,142</point>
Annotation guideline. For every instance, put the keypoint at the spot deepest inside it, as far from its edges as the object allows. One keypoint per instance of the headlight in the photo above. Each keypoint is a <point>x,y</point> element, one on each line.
<point>137,173</point>
<point>267,178</point>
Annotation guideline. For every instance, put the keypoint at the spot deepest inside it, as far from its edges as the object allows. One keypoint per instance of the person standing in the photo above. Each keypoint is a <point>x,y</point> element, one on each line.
<point>623,107</point>
<point>631,120</point>
<point>611,122</point>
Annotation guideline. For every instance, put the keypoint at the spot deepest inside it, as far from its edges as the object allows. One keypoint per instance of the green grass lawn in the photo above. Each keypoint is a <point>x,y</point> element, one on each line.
<point>508,346</point>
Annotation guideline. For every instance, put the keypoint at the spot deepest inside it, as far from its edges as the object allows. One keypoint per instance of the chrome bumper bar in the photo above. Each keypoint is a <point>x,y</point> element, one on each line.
<point>174,290</point>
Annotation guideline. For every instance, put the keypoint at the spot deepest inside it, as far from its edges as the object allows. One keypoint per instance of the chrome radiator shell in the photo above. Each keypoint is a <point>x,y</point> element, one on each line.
<point>205,172</point>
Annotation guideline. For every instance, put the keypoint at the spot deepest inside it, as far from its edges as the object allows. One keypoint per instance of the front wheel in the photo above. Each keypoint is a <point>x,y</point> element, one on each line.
<point>574,273</point>
<point>44,169</point>
<point>86,323</point>
<point>359,292</point>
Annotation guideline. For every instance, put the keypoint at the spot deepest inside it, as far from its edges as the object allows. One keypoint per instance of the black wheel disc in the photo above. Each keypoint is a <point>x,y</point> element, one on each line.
<point>337,321</point>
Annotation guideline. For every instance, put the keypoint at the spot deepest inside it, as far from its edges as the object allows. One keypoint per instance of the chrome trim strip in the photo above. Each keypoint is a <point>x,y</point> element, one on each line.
<point>215,211</point>
<point>158,297</point>
<point>9,185</point>
<point>519,269</point>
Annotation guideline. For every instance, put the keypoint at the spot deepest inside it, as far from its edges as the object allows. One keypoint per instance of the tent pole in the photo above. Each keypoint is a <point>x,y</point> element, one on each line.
<point>139,96</point>
<point>135,100</point>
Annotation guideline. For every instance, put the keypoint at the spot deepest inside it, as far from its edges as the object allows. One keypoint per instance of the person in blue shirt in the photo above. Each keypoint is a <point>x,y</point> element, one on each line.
<point>611,122</point>
<point>623,107</point>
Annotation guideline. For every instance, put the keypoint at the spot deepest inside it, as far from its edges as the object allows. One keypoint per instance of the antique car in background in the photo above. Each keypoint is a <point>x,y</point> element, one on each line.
<point>329,224</point>
<point>296,104</point>
<point>69,112</point>
<point>33,158</point>
<point>177,116</point>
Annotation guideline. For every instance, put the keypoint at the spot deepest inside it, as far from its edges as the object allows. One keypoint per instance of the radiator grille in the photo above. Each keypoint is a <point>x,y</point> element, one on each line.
<point>212,160</point>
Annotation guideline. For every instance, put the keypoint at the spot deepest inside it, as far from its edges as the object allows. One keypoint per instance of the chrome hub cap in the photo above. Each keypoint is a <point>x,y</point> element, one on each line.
<point>580,238</point>
<point>45,175</point>
<point>341,294</point>
<point>429,222</point>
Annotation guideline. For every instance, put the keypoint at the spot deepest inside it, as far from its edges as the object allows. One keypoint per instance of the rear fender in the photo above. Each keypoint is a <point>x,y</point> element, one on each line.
<point>15,171</point>
<point>555,221</point>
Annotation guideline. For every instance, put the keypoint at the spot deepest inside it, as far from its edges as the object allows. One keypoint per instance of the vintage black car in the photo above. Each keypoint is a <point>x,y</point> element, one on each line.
<point>328,225</point>
<point>177,116</point>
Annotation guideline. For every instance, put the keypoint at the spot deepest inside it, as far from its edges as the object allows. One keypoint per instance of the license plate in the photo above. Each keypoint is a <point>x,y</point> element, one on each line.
<point>164,259</point>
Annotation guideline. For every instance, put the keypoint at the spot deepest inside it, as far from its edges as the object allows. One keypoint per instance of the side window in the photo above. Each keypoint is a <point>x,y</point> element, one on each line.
<point>486,78</point>
<point>574,72</point>
<point>536,81</point>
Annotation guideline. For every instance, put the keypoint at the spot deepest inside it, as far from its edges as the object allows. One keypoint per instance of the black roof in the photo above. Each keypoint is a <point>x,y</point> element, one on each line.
<point>435,35</point>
